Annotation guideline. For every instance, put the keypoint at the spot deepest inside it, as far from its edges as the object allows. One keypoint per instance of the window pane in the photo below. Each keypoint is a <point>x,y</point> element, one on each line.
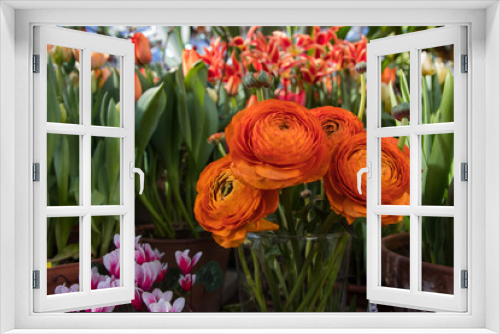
<point>395,89</point>
<point>437,254</point>
<point>63,85</point>
<point>63,170</point>
<point>396,252</point>
<point>105,246</point>
<point>437,169</point>
<point>395,171</point>
<point>105,171</point>
<point>437,84</point>
<point>105,89</point>
<point>63,252</point>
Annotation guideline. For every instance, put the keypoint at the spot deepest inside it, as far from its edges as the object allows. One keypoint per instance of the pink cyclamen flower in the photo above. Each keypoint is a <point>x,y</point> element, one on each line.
<point>148,274</point>
<point>155,296</point>
<point>184,262</point>
<point>187,282</point>
<point>165,306</point>
<point>64,289</point>
<point>116,240</point>
<point>111,262</point>
<point>137,301</point>
<point>152,255</point>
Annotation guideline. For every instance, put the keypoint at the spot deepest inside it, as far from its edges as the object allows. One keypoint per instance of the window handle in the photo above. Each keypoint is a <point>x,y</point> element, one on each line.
<point>368,171</point>
<point>141,175</point>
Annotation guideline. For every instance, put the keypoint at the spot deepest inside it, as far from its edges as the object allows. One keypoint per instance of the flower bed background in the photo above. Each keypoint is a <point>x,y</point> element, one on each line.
<point>191,81</point>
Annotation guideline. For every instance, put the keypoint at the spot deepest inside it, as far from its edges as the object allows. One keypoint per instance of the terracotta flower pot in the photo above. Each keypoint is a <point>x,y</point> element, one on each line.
<point>396,267</point>
<point>200,300</point>
<point>65,273</point>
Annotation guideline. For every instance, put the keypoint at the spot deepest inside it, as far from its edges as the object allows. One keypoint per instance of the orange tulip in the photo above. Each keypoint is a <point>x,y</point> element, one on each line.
<point>232,85</point>
<point>97,59</point>
<point>251,101</point>
<point>138,88</point>
<point>229,208</point>
<point>277,144</point>
<point>388,75</point>
<point>142,50</point>
<point>216,138</point>
<point>189,58</point>
<point>102,76</point>
<point>339,125</point>
<point>341,179</point>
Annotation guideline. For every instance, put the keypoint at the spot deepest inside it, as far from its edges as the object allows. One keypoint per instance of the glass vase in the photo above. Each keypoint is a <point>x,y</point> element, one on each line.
<point>278,273</point>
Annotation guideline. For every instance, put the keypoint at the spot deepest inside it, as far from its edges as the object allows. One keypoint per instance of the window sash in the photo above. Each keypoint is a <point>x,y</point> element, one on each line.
<point>86,298</point>
<point>413,298</point>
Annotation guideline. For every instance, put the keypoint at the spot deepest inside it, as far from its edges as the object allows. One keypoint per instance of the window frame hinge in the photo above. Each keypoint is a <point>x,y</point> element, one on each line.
<point>464,172</point>
<point>464,66</point>
<point>36,63</point>
<point>36,279</point>
<point>464,278</point>
<point>36,172</point>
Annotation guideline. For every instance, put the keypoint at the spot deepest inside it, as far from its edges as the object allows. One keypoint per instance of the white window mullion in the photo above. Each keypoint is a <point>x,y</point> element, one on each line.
<point>86,166</point>
<point>415,175</point>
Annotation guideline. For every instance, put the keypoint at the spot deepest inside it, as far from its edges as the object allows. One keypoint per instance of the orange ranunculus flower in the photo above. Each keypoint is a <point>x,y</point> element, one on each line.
<point>143,54</point>
<point>138,88</point>
<point>339,124</point>
<point>277,144</point>
<point>341,179</point>
<point>189,58</point>
<point>229,208</point>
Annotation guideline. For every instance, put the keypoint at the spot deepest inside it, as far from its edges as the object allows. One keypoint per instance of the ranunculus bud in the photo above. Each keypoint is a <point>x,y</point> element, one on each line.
<point>401,111</point>
<point>264,79</point>
<point>258,80</point>
<point>57,55</point>
<point>249,80</point>
<point>306,193</point>
<point>360,67</point>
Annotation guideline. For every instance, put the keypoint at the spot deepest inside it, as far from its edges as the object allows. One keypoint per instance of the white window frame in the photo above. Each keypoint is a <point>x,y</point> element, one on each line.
<point>414,43</point>
<point>124,50</point>
<point>483,20</point>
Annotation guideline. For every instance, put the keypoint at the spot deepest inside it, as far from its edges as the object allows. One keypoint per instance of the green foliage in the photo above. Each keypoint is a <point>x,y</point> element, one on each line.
<point>211,276</point>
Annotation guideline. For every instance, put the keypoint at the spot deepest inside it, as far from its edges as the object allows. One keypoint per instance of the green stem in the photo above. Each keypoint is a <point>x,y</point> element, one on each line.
<point>260,94</point>
<point>281,279</point>
<point>250,281</point>
<point>258,281</point>
<point>288,208</point>
<point>221,149</point>
<point>363,98</point>
<point>402,140</point>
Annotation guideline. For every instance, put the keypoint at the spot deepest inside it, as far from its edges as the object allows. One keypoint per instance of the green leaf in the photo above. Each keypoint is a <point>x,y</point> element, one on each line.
<point>403,85</point>
<point>182,110</point>
<point>61,164</point>
<point>210,275</point>
<point>53,111</point>
<point>70,251</point>
<point>145,84</point>
<point>342,32</point>
<point>149,110</point>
